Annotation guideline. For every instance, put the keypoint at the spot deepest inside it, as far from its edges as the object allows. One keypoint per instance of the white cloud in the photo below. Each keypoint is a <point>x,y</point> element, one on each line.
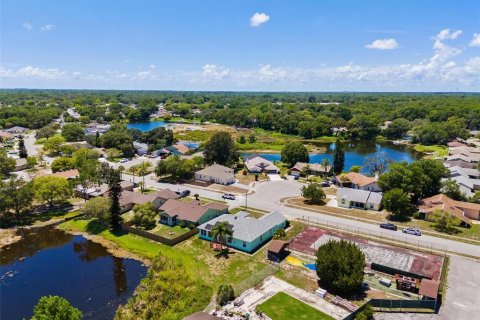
<point>383,44</point>
<point>475,41</point>
<point>258,18</point>
<point>27,26</point>
<point>33,72</point>
<point>47,27</point>
<point>212,71</point>
<point>445,34</point>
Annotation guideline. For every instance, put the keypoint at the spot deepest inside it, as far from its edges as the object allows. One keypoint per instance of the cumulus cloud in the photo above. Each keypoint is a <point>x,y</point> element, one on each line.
<point>33,72</point>
<point>258,18</point>
<point>383,44</point>
<point>27,26</point>
<point>47,27</point>
<point>212,71</point>
<point>446,34</point>
<point>475,41</point>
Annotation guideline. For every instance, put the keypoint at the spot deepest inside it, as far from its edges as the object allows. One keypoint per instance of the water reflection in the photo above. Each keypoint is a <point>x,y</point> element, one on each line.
<point>50,261</point>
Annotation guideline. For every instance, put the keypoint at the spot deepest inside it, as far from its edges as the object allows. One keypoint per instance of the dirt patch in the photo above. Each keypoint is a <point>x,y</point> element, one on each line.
<point>220,187</point>
<point>8,236</point>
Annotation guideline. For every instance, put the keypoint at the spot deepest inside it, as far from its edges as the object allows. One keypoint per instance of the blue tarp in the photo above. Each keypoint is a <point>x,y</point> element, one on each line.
<point>310,266</point>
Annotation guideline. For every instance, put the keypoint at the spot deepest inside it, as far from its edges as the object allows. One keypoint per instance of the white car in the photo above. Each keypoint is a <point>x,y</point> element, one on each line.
<point>124,160</point>
<point>413,231</point>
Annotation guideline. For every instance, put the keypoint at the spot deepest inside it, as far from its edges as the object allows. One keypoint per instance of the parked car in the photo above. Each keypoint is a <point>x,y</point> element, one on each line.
<point>413,231</point>
<point>183,193</point>
<point>154,155</point>
<point>123,160</point>
<point>326,184</point>
<point>228,196</point>
<point>389,226</point>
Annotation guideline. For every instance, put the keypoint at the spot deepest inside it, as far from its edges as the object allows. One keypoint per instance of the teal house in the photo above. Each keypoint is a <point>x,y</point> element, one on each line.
<point>248,233</point>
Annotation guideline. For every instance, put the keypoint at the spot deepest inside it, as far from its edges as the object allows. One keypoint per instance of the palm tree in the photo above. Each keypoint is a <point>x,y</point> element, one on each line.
<point>133,170</point>
<point>143,170</point>
<point>122,170</point>
<point>325,165</point>
<point>221,232</point>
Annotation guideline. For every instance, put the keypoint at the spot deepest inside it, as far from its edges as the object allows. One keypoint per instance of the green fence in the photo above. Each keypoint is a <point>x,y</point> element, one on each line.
<point>403,305</point>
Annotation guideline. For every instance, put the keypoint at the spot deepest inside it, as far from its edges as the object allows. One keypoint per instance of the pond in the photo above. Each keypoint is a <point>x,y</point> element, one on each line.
<point>49,261</point>
<point>145,126</point>
<point>355,153</point>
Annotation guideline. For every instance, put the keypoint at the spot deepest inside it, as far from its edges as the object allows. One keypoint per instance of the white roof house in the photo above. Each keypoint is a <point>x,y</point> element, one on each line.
<point>361,199</point>
<point>467,178</point>
<point>216,173</point>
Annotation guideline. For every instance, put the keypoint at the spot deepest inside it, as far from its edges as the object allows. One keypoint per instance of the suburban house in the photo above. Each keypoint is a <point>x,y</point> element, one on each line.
<point>128,199</point>
<point>162,153</point>
<point>166,194</point>
<point>202,316</point>
<point>216,174</point>
<point>189,144</point>
<point>140,148</point>
<point>173,211</point>
<point>5,136</point>
<point>68,174</point>
<point>462,210</point>
<point>20,164</point>
<point>313,168</point>
<point>359,199</point>
<point>248,233</point>
<point>15,130</point>
<point>178,149</point>
<point>456,144</point>
<point>101,190</point>
<point>356,180</point>
<point>465,157</point>
<point>94,127</point>
<point>259,165</point>
<point>468,179</point>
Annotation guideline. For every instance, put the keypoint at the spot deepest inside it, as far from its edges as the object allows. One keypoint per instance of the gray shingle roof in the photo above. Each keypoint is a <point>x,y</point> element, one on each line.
<point>358,195</point>
<point>246,228</point>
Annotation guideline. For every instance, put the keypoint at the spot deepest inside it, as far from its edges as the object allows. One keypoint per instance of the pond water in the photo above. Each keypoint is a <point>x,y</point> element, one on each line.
<point>145,126</point>
<point>49,261</point>
<point>356,153</point>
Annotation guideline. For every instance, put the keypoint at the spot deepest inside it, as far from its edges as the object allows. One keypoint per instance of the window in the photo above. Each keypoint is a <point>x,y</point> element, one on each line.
<point>229,240</point>
<point>209,234</point>
<point>203,232</point>
<point>261,237</point>
<point>244,244</point>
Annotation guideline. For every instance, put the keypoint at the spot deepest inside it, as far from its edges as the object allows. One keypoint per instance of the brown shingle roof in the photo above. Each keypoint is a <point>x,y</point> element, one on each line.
<point>201,316</point>
<point>181,148</point>
<point>189,211</point>
<point>276,246</point>
<point>357,178</point>
<point>429,288</point>
<point>442,202</point>
<point>167,194</point>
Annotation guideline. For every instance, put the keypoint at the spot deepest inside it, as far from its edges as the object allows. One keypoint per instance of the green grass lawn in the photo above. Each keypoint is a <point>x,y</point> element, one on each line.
<point>284,307</point>
<point>439,151</point>
<point>168,232</point>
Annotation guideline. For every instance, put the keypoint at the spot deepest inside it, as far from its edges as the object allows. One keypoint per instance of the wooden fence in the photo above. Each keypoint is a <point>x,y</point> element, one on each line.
<point>155,237</point>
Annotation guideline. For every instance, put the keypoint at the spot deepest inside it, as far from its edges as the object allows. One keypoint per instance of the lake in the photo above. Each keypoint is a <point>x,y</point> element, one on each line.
<point>145,126</point>
<point>355,153</point>
<point>49,261</point>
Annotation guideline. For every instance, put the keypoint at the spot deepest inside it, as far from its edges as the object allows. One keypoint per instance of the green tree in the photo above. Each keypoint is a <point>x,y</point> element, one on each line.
<point>22,151</point>
<point>444,221</point>
<point>144,215</point>
<point>63,164</point>
<point>397,129</point>
<point>221,232</point>
<point>84,155</point>
<point>54,144</point>
<point>397,202</point>
<point>113,153</point>
<point>326,165</point>
<point>7,164</point>
<point>340,266</point>
<point>338,158</point>
<point>252,138</point>
<point>452,190</point>
<point>120,138</point>
<point>280,234</point>
<point>220,149</point>
<point>242,139</point>
<point>99,208</point>
<point>16,195</point>
<point>366,313</point>
<point>225,294</point>
<point>52,189</point>
<point>55,308</point>
<point>115,191</point>
<point>294,152</point>
<point>314,193</point>
<point>88,176</point>
<point>73,132</point>
<point>46,132</point>
<point>355,169</point>
<point>143,170</point>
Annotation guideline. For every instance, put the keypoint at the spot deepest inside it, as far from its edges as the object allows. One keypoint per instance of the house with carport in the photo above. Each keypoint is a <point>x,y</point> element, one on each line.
<point>359,199</point>
<point>259,165</point>
<point>216,174</point>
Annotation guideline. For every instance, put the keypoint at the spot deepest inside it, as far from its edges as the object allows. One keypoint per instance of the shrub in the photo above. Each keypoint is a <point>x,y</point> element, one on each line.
<point>225,294</point>
<point>314,193</point>
<point>182,224</point>
<point>144,215</point>
<point>55,307</point>
<point>279,234</point>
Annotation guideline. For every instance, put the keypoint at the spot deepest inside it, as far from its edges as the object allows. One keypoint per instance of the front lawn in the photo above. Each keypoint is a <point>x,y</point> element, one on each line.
<point>284,307</point>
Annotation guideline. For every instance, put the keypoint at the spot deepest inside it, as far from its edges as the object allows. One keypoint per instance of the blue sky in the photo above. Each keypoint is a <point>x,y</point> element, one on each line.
<point>314,45</point>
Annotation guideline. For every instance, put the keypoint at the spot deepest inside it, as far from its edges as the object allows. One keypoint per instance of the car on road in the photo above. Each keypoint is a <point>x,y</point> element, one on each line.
<point>123,160</point>
<point>183,193</point>
<point>412,231</point>
<point>228,196</point>
<point>389,226</point>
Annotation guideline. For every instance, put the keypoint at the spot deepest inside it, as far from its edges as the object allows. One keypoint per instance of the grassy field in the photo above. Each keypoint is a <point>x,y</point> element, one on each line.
<point>438,151</point>
<point>168,232</point>
<point>284,307</point>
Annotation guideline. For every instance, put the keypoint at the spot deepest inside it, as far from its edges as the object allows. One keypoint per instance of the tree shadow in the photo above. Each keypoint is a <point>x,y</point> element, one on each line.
<point>450,230</point>
<point>398,218</point>
<point>95,227</point>
<point>224,254</point>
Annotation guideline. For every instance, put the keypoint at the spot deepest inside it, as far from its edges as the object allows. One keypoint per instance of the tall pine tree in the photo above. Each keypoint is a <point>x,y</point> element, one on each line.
<point>22,151</point>
<point>115,190</point>
<point>338,158</point>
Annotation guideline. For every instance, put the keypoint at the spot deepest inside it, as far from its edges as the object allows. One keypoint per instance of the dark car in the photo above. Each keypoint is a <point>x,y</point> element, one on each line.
<point>389,226</point>
<point>325,184</point>
<point>183,193</point>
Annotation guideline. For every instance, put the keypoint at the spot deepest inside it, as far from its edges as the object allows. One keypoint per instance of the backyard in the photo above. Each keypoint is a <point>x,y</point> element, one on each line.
<point>284,307</point>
